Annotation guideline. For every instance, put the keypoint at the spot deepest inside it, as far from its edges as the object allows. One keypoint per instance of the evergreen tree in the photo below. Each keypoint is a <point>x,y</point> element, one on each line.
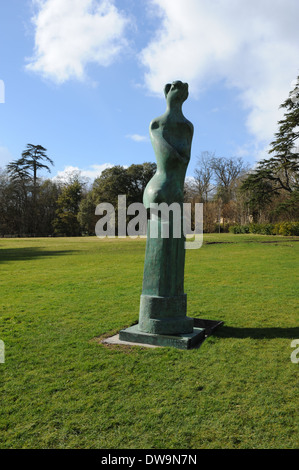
<point>280,173</point>
<point>86,215</point>
<point>32,159</point>
<point>66,222</point>
<point>24,173</point>
<point>18,204</point>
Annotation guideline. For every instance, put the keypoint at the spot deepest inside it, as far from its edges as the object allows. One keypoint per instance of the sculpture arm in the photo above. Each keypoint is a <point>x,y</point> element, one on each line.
<point>162,146</point>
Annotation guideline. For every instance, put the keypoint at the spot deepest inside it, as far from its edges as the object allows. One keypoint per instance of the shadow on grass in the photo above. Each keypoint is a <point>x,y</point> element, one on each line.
<point>28,253</point>
<point>257,333</point>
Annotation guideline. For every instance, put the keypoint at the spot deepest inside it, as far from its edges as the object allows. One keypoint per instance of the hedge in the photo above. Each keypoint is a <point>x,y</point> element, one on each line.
<point>283,228</point>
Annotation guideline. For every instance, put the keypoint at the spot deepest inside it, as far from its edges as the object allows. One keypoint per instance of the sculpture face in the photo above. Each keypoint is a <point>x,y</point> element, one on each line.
<point>176,92</point>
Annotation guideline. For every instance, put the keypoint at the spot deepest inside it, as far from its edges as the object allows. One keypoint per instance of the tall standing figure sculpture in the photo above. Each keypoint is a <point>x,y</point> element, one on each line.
<point>163,304</point>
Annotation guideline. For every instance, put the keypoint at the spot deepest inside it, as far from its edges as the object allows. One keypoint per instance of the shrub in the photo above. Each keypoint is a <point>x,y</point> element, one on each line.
<point>255,228</point>
<point>288,228</point>
<point>223,229</point>
<point>263,229</point>
<point>235,229</point>
<point>276,229</point>
<point>283,228</point>
<point>267,229</point>
<point>245,229</point>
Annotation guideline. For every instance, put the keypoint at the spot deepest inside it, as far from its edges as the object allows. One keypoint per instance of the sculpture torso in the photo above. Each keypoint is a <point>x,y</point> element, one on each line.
<point>171,135</point>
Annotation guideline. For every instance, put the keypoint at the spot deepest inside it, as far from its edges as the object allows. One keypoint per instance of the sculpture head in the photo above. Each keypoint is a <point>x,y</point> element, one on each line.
<point>176,92</point>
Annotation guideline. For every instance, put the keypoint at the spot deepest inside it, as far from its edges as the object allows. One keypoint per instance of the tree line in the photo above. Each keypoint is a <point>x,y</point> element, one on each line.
<point>33,206</point>
<point>231,192</point>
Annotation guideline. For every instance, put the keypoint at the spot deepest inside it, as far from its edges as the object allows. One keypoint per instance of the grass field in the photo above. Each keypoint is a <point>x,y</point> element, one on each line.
<point>61,388</point>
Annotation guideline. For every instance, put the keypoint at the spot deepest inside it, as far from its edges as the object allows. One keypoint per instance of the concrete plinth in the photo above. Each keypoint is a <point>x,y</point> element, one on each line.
<point>182,341</point>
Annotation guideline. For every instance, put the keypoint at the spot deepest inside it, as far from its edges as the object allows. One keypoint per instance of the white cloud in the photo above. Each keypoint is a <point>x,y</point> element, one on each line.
<point>249,149</point>
<point>69,34</point>
<point>138,138</point>
<point>92,172</point>
<point>250,45</point>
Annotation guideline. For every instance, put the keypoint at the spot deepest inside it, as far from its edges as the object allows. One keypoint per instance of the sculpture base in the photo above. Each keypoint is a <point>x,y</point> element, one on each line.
<point>160,315</point>
<point>183,341</point>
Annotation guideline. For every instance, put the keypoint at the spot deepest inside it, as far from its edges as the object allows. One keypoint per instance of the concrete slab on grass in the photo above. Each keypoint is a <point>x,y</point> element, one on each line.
<point>133,337</point>
<point>183,341</point>
<point>115,340</point>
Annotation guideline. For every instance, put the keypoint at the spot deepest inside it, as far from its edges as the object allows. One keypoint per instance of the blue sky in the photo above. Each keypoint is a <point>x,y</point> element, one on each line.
<point>84,78</point>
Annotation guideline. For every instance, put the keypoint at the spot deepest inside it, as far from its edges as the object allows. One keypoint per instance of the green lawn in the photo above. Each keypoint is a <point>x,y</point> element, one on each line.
<point>61,388</point>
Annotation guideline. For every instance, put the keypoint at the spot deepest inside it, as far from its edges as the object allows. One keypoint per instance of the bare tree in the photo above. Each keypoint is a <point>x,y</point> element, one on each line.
<point>227,171</point>
<point>216,181</point>
<point>203,175</point>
